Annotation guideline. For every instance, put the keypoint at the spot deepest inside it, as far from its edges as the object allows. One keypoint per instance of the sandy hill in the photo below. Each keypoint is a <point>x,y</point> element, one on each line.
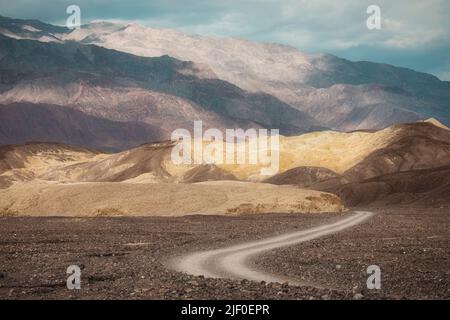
<point>29,161</point>
<point>403,164</point>
<point>144,162</point>
<point>422,188</point>
<point>165,199</point>
<point>54,179</point>
<point>437,123</point>
<point>331,150</point>
<point>415,146</point>
<point>410,168</point>
<point>303,176</point>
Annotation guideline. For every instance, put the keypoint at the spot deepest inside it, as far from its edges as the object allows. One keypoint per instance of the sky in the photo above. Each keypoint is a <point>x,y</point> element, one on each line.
<point>413,34</point>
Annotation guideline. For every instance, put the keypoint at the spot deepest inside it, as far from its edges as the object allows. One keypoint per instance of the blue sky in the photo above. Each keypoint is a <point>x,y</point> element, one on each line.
<point>414,34</point>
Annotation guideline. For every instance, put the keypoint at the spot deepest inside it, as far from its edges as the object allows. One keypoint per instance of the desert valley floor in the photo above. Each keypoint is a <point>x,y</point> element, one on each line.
<point>124,257</point>
<point>121,217</point>
<point>166,164</point>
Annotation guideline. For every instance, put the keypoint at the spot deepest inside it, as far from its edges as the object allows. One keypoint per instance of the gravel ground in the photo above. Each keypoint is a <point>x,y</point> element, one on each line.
<point>122,258</point>
<point>411,247</point>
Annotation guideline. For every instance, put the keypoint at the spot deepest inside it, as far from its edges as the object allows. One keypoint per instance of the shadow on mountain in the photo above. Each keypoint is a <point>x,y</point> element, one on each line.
<point>24,122</point>
<point>413,169</point>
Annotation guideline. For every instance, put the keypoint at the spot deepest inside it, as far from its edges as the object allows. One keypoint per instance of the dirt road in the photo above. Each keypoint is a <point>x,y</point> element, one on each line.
<point>232,262</point>
<point>124,257</point>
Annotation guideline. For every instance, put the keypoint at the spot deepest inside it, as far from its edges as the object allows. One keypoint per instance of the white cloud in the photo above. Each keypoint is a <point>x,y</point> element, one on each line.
<point>311,25</point>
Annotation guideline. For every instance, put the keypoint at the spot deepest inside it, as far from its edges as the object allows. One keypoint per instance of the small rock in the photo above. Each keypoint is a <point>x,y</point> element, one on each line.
<point>276,286</point>
<point>193,283</point>
<point>338,267</point>
<point>358,296</point>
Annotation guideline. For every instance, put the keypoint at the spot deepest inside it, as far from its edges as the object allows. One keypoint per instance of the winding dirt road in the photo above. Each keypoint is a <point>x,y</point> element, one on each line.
<point>234,262</point>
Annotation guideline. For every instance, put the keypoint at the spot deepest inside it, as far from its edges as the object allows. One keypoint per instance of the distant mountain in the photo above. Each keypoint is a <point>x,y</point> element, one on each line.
<point>114,87</point>
<point>31,29</point>
<point>167,79</point>
<point>370,95</point>
<point>25,122</point>
<point>163,92</point>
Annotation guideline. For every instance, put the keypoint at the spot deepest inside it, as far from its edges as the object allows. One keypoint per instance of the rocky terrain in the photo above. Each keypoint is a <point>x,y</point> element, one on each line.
<point>410,246</point>
<point>123,258</point>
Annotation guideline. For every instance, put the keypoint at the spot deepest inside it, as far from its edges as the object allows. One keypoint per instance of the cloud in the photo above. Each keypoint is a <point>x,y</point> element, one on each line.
<point>338,27</point>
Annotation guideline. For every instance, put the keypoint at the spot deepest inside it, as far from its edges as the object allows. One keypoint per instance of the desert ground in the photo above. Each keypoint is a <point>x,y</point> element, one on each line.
<point>125,257</point>
<point>354,171</point>
<point>124,218</point>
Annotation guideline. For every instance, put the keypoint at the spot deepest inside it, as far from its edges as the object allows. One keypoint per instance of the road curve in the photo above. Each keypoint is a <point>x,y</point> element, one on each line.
<point>233,262</point>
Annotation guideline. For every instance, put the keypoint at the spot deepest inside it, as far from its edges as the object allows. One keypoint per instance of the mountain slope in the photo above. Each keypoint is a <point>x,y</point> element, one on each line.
<point>53,179</point>
<point>28,161</point>
<point>415,146</point>
<point>410,168</point>
<point>303,176</point>
<point>406,165</point>
<point>162,91</point>
<point>24,122</point>
<point>374,96</point>
<point>290,75</point>
<point>422,188</point>
<point>31,29</point>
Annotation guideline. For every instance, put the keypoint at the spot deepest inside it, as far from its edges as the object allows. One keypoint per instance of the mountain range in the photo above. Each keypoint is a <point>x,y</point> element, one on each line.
<point>86,117</point>
<point>112,86</point>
